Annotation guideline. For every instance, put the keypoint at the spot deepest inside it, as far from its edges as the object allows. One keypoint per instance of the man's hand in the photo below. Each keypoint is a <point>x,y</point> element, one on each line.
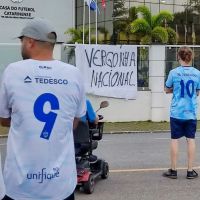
<point>75,123</point>
<point>5,122</point>
<point>168,90</point>
<point>96,120</point>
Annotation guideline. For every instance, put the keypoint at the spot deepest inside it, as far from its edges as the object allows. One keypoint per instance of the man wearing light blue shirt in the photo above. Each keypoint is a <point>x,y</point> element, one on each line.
<point>90,116</point>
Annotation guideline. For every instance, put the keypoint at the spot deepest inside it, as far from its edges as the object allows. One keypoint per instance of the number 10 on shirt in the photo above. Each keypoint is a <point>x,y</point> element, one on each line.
<point>189,86</point>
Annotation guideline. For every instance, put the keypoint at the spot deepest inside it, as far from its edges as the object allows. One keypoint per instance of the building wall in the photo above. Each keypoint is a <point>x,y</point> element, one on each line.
<point>122,110</point>
<point>14,15</point>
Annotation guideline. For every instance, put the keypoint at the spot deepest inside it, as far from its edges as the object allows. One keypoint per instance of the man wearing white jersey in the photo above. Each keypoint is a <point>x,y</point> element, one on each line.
<point>40,99</point>
<point>2,186</point>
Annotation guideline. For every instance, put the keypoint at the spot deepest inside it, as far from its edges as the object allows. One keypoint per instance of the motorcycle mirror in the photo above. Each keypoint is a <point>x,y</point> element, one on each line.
<point>103,104</point>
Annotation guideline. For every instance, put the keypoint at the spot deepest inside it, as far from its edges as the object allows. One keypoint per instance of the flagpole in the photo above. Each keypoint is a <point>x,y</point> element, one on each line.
<point>193,35</point>
<point>84,22</point>
<point>176,34</point>
<point>96,23</point>
<point>176,40</point>
<point>89,25</point>
<point>185,26</point>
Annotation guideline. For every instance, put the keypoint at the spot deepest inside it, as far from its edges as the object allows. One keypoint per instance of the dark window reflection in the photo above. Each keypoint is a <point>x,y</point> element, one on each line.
<point>117,16</point>
<point>171,58</point>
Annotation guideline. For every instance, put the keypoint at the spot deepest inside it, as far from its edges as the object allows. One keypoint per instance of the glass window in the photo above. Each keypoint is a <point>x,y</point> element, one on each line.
<point>109,10</point>
<point>155,1</point>
<point>167,2</point>
<point>196,61</point>
<point>180,2</point>
<point>101,15</point>
<point>167,7</point>
<point>136,4</point>
<point>143,67</point>
<point>79,17</point>
<point>183,18</point>
<point>154,8</point>
<point>79,3</point>
<point>92,16</point>
<point>171,58</point>
<point>148,5</point>
<point>109,28</point>
<point>178,8</point>
<point>9,54</point>
<point>68,54</point>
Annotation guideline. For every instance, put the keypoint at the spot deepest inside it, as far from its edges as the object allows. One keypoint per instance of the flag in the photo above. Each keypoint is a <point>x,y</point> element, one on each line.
<point>92,4</point>
<point>103,3</point>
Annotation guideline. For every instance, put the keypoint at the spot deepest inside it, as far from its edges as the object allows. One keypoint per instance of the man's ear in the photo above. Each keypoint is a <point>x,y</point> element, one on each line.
<point>31,43</point>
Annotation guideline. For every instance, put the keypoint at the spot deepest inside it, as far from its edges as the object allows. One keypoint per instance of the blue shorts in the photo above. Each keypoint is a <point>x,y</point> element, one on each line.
<point>180,128</point>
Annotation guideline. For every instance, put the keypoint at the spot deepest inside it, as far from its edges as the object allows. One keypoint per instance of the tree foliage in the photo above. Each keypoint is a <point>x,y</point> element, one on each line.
<point>119,24</point>
<point>153,28</point>
<point>122,19</point>
<point>76,35</point>
<point>119,9</point>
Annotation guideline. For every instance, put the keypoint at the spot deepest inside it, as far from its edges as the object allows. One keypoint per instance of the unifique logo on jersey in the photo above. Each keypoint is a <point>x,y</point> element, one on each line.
<point>43,175</point>
<point>27,80</point>
<point>16,1</point>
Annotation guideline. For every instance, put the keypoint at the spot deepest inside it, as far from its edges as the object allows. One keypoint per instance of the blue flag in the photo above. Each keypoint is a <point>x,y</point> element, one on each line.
<point>92,4</point>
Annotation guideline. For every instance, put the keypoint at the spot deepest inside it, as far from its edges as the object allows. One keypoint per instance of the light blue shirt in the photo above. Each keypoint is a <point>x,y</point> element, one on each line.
<point>185,82</point>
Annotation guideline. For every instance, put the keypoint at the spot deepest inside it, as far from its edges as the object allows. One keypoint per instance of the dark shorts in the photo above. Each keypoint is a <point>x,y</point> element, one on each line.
<point>180,128</point>
<point>71,197</point>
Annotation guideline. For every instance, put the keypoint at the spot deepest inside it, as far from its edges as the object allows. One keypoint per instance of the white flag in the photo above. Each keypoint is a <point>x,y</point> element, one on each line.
<point>88,2</point>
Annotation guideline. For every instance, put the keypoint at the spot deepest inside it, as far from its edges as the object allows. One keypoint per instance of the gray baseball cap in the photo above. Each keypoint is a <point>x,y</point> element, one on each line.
<point>39,29</point>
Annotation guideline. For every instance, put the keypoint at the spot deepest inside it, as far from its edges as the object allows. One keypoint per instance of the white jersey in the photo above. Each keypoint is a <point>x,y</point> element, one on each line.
<point>42,98</point>
<point>2,186</point>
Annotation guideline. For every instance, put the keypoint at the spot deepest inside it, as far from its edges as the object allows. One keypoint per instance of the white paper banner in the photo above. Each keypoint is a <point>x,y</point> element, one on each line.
<point>108,70</point>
